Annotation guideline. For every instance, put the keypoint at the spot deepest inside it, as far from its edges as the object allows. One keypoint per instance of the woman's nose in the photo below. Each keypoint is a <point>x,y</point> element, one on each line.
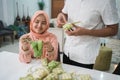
<point>40,24</point>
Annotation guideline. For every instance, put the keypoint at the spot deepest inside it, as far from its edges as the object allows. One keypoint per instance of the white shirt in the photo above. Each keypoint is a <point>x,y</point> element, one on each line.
<point>93,14</point>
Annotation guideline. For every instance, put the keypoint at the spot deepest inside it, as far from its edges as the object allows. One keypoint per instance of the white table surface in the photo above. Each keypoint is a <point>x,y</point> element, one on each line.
<point>12,69</point>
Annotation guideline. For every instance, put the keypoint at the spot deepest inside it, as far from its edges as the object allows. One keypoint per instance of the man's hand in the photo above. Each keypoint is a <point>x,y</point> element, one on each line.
<point>61,20</point>
<point>110,30</point>
<point>77,31</point>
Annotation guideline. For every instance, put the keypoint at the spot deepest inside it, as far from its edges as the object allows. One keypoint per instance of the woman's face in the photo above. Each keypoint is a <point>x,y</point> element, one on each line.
<point>40,24</point>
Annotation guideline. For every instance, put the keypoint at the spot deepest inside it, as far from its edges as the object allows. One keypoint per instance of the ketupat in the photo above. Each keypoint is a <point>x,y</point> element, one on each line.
<point>52,76</point>
<point>28,77</point>
<point>40,44</point>
<point>40,73</point>
<point>33,44</point>
<point>66,76</point>
<point>37,48</point>
<point>57,73</point>
<point>44,62</point>
<point>58,70</point>
<point>36,52</point>
<point>67,26</point>
<point>85,77</point>
<point>40,47</point>
<point>53,64</point>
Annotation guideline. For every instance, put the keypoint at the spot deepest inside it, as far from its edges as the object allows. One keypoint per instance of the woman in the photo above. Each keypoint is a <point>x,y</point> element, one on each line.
<point>38,32</point>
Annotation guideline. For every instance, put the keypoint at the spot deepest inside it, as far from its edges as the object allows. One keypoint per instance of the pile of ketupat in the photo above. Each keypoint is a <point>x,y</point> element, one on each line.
<point>53,71</point>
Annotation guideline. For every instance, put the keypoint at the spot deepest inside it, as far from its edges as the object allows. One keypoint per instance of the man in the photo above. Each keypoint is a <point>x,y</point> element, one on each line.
<point>97,18</point>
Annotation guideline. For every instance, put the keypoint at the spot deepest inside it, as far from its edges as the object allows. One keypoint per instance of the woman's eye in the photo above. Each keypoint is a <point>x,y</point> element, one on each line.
<point>36,22</point>
<point>44,23</point>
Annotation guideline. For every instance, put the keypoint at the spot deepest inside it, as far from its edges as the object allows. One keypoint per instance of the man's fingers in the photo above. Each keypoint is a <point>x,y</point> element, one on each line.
<point>74,25</point>
<point>60,25</point>
<point>61,20</point>
<point>70,33</point>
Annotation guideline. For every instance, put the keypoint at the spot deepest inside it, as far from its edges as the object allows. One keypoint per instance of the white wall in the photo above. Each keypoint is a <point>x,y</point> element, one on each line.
<point>118,7</point>
<point>33,6</point>
<point>1,10</point>
<point>8,9</point>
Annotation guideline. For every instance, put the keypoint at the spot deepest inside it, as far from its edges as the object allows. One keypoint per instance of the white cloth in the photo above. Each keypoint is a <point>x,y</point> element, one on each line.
<point>12,69</point>
<point>93,14</point>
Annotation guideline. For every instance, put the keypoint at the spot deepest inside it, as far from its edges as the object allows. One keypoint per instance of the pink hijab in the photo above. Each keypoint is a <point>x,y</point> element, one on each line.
<point>37,13</point>
<point>46,36</point>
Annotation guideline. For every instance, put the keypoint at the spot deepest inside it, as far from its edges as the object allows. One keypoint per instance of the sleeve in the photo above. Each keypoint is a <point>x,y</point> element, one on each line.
<point>109,13</point>
<point>24,56</point>
<point>64,10</point>
<point>54,43</point>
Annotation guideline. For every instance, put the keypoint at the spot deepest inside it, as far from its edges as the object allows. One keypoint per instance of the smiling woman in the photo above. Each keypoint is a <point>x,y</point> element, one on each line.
<point>29,43</point>
<point>39,24</point>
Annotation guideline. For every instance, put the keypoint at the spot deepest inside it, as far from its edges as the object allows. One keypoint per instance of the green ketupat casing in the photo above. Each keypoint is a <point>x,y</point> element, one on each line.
<point>37,48</point>
<point>40,47</point>
<point>36,52</point>
<point>67,26</point>
<point>28,77</point>
<point>33,44</point>
<point>53,64</point>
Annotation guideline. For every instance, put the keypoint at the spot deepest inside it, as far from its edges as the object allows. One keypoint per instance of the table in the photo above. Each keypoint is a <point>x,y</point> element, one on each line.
<point>12,69</point>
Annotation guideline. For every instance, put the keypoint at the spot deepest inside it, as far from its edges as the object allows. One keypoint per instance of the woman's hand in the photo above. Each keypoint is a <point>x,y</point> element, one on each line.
<point>50,50</point>
<point>48,46</point>
<point>26,47</point>
<point>25,44</point>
